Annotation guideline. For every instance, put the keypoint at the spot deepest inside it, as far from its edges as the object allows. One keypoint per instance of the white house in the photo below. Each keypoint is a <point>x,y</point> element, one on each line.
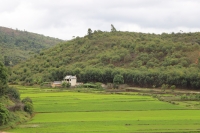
<point>70,79</point>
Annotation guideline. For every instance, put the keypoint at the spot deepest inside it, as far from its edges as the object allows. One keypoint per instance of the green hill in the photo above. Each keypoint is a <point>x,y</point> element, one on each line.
<point>144,60</point>
<point>16,45</point>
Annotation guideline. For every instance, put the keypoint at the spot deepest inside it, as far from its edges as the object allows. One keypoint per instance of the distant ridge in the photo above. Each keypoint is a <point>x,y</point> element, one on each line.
<point>16,45</point>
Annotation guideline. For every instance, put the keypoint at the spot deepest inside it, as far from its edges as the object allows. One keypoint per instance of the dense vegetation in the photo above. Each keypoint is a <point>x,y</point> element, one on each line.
<point>144,60</point>
<point>18,45</point>
<point>10,102</point>
<point>3,79</point>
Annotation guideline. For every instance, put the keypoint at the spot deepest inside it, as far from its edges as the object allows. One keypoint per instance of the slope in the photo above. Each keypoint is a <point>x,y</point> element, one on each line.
<point>16,45</point>
<point>143,60</point>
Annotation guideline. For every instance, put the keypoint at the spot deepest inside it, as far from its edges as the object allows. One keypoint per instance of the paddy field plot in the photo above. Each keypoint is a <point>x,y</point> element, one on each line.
<point>76,112</point>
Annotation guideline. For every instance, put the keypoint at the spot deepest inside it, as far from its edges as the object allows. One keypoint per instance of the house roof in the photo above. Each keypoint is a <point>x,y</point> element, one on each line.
<point>70,77</point>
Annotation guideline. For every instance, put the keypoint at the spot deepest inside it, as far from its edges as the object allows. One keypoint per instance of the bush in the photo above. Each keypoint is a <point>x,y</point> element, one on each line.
<point>173,87</point>
<point>4,115</point>
<point>13,93</point>
<point>184,97</point>
<point>164,87</point>
<point>28,107</point>
<point>27,100</point>
<point>66,85</point>
<point>16,107</point>
<point>98,85</point>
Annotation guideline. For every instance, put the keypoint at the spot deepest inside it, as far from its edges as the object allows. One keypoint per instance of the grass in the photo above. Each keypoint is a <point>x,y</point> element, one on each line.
<point>73,101</point>
<point>75,112</point>
<point>114,121</point>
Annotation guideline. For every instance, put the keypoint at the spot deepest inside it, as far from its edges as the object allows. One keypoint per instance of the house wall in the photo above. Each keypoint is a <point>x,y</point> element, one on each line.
<point>73,82</point>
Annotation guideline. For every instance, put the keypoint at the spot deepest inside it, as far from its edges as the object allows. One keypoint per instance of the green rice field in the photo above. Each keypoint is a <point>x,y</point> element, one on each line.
<point>78,112</point>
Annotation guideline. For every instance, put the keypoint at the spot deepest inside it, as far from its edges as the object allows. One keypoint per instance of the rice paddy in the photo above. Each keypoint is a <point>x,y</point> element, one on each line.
<point>77,112</point>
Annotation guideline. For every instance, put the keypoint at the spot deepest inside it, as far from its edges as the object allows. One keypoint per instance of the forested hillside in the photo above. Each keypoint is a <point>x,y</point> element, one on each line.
<point>16,45</point>
<point>144,60</point>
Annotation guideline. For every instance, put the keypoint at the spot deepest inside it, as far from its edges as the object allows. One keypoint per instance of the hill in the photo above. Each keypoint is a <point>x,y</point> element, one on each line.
<point>16,45</point>
<point>144,60</point>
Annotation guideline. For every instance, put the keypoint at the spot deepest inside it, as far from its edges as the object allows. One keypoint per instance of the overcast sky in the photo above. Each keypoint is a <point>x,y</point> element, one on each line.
<point>66,18</point>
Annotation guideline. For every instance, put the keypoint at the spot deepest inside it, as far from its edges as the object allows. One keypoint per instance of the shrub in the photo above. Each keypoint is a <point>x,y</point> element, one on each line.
<point>197,96</point>
<point>28,107</point>
<point>66,85</point>
<point>4,115</point>
<point>164,87</point>
<point>13,93</point>
<point>98,85</point>
<point>16,107</point>
<point>184,97</point>
<point>27,100</point>
<point>173,87</point>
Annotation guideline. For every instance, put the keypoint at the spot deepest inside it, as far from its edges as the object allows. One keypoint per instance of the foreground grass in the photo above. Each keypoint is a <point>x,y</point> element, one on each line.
<point>75,112</point>
<point>114,121</point>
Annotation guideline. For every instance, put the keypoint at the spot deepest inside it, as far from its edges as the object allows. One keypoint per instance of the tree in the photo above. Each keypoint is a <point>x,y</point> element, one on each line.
<point>173,87</point>
<point>113,28</point>
<point>118,79</point>
<point>3,79</point>
<point>89,33</point>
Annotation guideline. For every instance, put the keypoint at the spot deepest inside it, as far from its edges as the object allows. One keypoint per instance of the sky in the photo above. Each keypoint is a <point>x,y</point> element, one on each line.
<point>67,18</point>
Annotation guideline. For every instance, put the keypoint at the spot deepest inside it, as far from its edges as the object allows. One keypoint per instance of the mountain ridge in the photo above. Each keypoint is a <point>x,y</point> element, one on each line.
<point>16,45</point>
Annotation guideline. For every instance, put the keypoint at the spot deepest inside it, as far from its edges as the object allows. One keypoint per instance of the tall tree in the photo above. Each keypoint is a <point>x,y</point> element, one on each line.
<point>89,33</point>
<point>113,29</point>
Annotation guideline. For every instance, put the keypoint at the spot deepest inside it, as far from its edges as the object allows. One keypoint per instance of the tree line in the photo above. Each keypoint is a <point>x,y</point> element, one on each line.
<point>180,77</point>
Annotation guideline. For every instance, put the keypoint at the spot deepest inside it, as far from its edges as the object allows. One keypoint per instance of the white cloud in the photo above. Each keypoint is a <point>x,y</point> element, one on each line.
<point>66,18</point>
